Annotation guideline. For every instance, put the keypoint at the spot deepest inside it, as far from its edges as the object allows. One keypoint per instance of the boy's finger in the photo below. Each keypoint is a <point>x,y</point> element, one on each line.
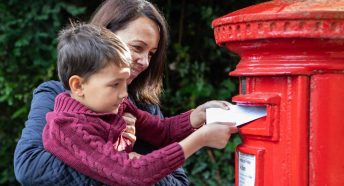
<point>127,114</point>
<point>129,136</point>
<point>227,104</point>
<point>130,129</point>
<point>225,123</point>
<point>234,130</point>
<point>219,104</point>
<point>129,119</point>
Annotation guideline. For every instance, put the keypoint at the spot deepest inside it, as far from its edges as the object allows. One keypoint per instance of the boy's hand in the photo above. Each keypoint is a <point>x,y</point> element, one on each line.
<point>130,130</point>
<point>134,155</point>
<point>216,135</point>
<point>197,116</point>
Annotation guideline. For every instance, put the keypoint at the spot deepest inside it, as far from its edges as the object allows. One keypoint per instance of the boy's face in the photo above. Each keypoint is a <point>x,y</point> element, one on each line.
<point>105,90</point>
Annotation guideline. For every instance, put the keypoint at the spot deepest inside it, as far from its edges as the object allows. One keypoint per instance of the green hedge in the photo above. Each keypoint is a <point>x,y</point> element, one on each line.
<point>197,69</point>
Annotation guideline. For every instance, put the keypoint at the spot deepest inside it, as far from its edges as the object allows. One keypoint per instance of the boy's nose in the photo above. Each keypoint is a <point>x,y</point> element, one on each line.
<point>124,94</point>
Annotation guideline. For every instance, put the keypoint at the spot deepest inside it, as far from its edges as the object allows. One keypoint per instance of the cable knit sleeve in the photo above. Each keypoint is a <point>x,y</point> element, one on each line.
<point>158,131</point>
<point>84,149</point>
<point>33,165</point>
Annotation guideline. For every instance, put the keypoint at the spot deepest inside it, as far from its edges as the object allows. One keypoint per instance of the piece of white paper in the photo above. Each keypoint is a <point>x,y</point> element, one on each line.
<point>238,114</point>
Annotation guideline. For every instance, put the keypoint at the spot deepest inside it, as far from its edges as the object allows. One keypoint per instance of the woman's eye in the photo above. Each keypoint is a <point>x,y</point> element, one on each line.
<point>150,54</point>
<point>115,85</point>
<point>136,48</point>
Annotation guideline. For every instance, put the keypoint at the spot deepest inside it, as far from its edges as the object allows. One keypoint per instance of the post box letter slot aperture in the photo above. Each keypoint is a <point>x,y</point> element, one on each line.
<point>265,128</point>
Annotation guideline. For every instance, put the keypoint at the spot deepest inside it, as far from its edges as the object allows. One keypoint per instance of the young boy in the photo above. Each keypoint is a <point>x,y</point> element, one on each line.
<point>85,130</point>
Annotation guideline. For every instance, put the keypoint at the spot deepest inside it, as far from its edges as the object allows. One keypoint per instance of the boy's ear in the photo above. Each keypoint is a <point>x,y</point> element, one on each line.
<point>75,84</point>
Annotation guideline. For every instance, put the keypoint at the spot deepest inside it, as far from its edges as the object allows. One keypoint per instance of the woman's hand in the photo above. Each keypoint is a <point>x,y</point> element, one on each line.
<point>197,116</point>
<point>130,130</point>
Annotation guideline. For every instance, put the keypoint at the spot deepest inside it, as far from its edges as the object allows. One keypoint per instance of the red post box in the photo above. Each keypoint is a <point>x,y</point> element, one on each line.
<point>292,62</point>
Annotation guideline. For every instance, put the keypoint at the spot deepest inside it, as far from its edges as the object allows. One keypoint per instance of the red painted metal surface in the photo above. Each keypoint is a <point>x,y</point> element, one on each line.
<point>292,62</point>
<point>326,129</point>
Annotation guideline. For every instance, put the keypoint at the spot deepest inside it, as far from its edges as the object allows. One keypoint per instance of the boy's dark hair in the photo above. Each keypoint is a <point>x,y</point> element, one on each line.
<point>84,49</point>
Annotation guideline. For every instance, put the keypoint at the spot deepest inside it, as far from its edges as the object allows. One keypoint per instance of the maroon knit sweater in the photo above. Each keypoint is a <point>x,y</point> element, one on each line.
<point>84,140</point>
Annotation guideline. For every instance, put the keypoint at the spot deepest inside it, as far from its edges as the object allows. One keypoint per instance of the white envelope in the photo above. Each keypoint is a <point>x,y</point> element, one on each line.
<point>238,114</point>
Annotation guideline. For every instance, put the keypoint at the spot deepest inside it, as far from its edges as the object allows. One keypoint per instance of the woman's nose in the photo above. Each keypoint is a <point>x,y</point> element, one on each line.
<point>144,60</point>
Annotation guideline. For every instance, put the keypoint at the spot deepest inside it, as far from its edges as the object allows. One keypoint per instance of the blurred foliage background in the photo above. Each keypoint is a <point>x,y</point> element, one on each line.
<point>197,69</point>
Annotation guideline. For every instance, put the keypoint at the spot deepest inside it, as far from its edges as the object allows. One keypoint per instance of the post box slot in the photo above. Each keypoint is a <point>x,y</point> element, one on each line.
<point>266,128</point>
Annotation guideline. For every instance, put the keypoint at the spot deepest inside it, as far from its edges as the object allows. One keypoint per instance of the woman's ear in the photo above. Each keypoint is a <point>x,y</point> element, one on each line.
<point>75,84</point>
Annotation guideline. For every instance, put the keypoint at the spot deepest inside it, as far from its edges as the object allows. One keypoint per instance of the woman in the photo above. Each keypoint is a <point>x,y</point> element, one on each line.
<point>140,25</point>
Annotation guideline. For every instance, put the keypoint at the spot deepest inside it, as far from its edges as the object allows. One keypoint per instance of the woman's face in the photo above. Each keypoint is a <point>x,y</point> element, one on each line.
<point>142,37</point>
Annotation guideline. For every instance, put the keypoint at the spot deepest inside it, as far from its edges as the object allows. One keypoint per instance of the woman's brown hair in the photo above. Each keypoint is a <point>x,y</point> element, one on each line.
<point>116,15</point>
